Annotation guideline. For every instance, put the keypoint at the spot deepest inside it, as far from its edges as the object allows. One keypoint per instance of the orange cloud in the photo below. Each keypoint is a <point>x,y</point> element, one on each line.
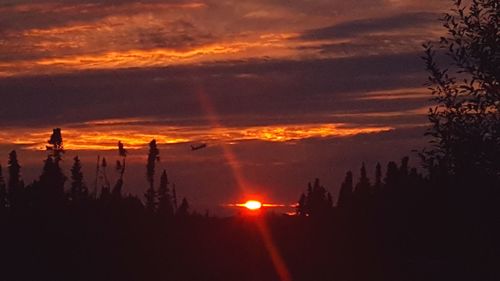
<point>410,93</point>
<point>275,45</point>
<point>105,134</point>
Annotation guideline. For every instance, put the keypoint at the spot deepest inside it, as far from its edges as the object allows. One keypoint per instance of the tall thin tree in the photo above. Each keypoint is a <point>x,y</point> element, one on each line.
<point>120,167</point>
<point>153,157</point>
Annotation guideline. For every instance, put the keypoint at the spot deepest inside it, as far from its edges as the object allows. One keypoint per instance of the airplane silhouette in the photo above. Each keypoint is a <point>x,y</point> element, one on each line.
<point>197,147</point>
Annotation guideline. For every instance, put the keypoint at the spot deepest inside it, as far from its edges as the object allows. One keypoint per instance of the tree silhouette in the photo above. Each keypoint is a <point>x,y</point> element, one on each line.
<point>317,202</point>
<point>378,177</point>
<point>346,191</point>
<point>3,190</point>
<point>153,157</point>
<point>363,186</point>
<point>120,167</point>
<point>57,147</point>
<point>106,188</point>
<point>78,189</point>
<point>174,198</point>
<point>301,205</point>
<point>466,120</point>
<point>52,179</point>
<point>165,207</point>
<point>183,210</point>
<point>14,185</point>
<point>391,176</point>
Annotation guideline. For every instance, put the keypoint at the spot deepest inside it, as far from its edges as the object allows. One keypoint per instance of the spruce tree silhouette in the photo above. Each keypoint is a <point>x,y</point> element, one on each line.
<point>404,170</point>
<point>165,207</point>
<point>51,182</point>
<point>363,186</point>
<point>3,191</point>
<point>301,205</point>
<point>57,147</point>
<point>329,200</point>
<point>174,198</point>
<point>378,177</point>
<point>106,187</point>
<point>47,186</point>
<point>392,176</point>
<point>317,203</point>
<point>346,192</point>
<point>78,190</point>
<point>15,185</point>
<point>183,210</point>
<point>120,167</point>
<point>153,157</point>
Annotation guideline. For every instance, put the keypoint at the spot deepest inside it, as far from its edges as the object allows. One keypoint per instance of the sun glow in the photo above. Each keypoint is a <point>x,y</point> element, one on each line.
<point>253,205</point>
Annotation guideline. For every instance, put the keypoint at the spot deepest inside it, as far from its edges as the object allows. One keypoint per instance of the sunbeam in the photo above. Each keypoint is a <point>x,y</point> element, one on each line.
<point>276,258</point>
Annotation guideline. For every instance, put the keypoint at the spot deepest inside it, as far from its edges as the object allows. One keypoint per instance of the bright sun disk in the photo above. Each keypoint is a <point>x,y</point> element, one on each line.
<point>253,205</point>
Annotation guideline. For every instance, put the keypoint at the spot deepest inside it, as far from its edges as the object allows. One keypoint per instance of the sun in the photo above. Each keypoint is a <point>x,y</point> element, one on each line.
<point>253,205</point>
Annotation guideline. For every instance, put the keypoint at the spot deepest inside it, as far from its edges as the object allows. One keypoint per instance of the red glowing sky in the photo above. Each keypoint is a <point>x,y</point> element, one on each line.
<point>281,91</point>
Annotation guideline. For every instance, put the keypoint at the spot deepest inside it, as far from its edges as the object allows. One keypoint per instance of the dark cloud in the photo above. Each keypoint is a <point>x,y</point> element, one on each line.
<point>249,89</point>
<point>359,27</point>
<point>21,15</point>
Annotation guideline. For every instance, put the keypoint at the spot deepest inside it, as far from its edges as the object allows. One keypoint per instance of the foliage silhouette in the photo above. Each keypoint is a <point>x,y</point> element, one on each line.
<point>466,120</point>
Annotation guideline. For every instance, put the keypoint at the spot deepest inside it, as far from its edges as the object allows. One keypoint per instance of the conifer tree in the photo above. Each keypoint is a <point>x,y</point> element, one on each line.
<point>391,176</point>
<point>14,185</point>
<point>165,207</point>
<point>329,200</point>
<point>120,167</point>
<point>363,185</point>
<point>3,191</point>
<point>52,179</point>
<point>378,177</point>
<point>301,205</point>
<point>153,157</point>
<point>78,189</point>
<point>174,198</point>
<point>183,208</point>
<point>14,168</point>
<point>56,142</point>
<point>106,188</point>
<point>317,202</point>
<point>346,191</point>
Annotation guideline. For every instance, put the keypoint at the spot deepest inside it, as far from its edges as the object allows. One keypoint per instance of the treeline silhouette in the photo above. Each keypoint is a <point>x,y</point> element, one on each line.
<point>406,226</point>
<point>83,233</point>
<point>48,191</point>
<point>401,225</point>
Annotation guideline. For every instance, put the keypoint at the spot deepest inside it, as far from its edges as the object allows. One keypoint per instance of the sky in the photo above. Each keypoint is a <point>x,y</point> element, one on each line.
<point>281,91</point>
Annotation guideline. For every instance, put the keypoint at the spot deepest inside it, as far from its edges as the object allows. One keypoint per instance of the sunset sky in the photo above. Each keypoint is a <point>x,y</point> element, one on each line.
<point>282,91</point>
